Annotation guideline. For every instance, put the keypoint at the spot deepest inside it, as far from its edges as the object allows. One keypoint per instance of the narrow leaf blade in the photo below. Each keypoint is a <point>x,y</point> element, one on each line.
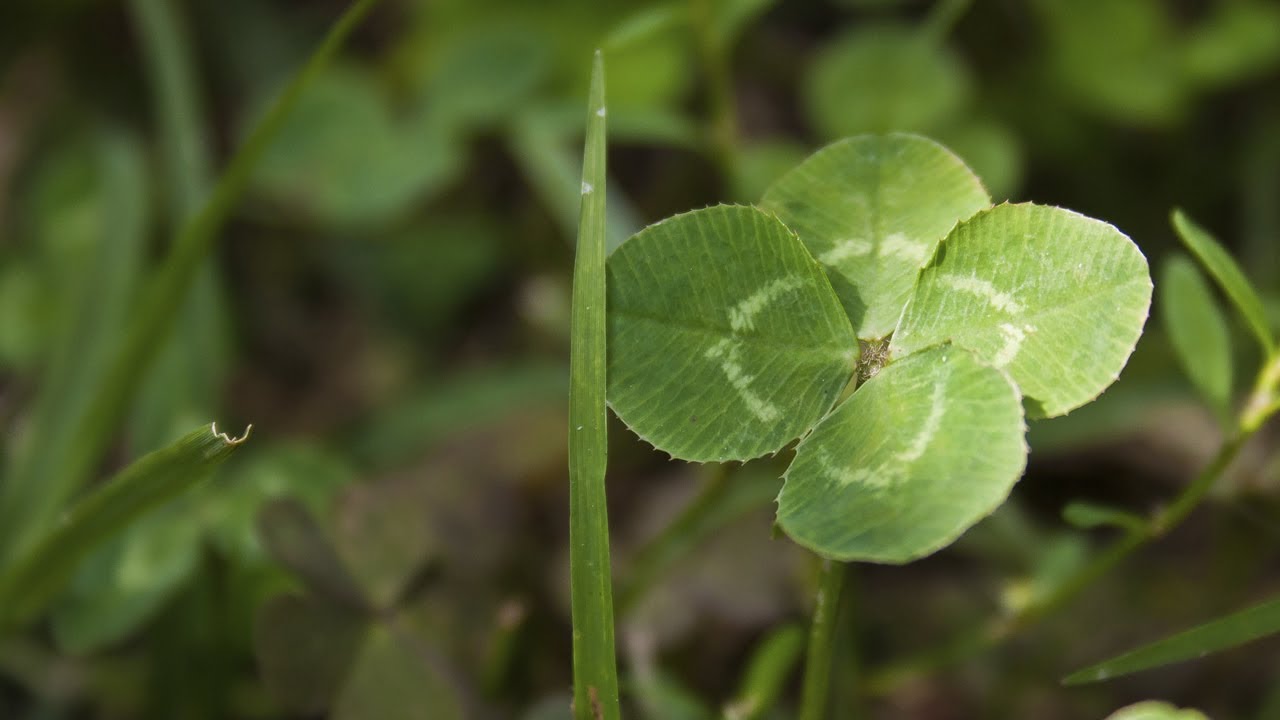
<point>595,673</point>
<point>1228,275</point>
<point>35,577</point>
<point>1198,331</point>
<point>1224,633</point>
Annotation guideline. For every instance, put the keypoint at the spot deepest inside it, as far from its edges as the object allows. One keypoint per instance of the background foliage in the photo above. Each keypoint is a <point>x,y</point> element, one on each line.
<point>389,305</point>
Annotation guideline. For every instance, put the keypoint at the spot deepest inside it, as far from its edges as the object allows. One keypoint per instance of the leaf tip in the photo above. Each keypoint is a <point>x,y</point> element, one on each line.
<point>226,437</point>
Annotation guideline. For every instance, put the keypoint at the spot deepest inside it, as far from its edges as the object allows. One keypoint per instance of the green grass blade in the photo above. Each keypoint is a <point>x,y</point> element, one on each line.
<point>767,673</point>
<point>157,312</point>
<point>1227,632</point>
<point>595,671</point>
<point>182,386</point>
<point>1228,275</point>
<point>37,575</point>
<point>79,363</point>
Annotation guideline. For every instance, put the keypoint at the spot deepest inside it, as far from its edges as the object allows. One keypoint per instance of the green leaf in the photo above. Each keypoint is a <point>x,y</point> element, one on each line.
<point>595,670</point>
<point>921,452</point>
<point>95,236</point>
<point>1118,59</point>
<point>291,535</point>
<point>343,158</point>
<point>124,583</point>
<point>1055,298</point>
<point>1228,275</point>
<point>1087,515</point>
<point>383,535</point>
<point>1197,330</point>
<point>1224,633</point>
<point>30,582</point>
<point>395,678</point>
<point>726,340</point>
<point>1238,40</point>
<point>872,209</point>
<point>771,665</point>
<point>305,647</point>
<point>880,78</point>
<point>1155,710</point>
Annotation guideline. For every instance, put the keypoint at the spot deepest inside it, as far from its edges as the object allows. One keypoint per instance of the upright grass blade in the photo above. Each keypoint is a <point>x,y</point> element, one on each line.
<point>45,491</point>
<point>185,377</point>
<point>38,574</point>
<point>595,672</point>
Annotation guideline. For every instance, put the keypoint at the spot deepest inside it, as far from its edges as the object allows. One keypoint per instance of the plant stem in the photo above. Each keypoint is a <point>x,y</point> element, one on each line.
<point>675,539</point>
<point>817,671</point>
<point>595,670</point>
<point>722,125</point>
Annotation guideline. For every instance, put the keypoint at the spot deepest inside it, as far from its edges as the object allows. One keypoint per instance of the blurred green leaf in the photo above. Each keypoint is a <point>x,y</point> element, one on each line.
<point>1119,59</point>
<point>772,663</point>
<point>30,582</point>
<point>991,149</point>
<point>96,242</point>
<point>883,78</point>
<point>123,584</point>
<point>466,400</point>
<point>395,678</point>
<point>23,333</point>
<point>761,163</point>
<point>483,74</point>
<point>1224,633</point>
<point>1087,515</point>
<point>1228,275</point>
<point>344,159</point>
<point>293,537</point>
<point>383,536</point>
<point>1198,331</point>
<point>662,697</point>
<point>1155,710</point>
<point>305,648</point>
<point>1240,39</point>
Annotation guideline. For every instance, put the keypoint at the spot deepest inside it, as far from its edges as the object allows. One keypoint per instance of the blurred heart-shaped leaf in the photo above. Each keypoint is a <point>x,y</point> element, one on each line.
<point>293,537</point>
<point>883,78</point>
<point>344,159</point>
<point>393,678</point>
<point>726,340</point>
<point>383,535</point>
<point>305,648</point>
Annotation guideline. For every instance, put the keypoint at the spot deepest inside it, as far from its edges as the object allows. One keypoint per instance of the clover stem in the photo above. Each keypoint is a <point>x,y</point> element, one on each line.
<point>826,612</point>
<point>722,125</point>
